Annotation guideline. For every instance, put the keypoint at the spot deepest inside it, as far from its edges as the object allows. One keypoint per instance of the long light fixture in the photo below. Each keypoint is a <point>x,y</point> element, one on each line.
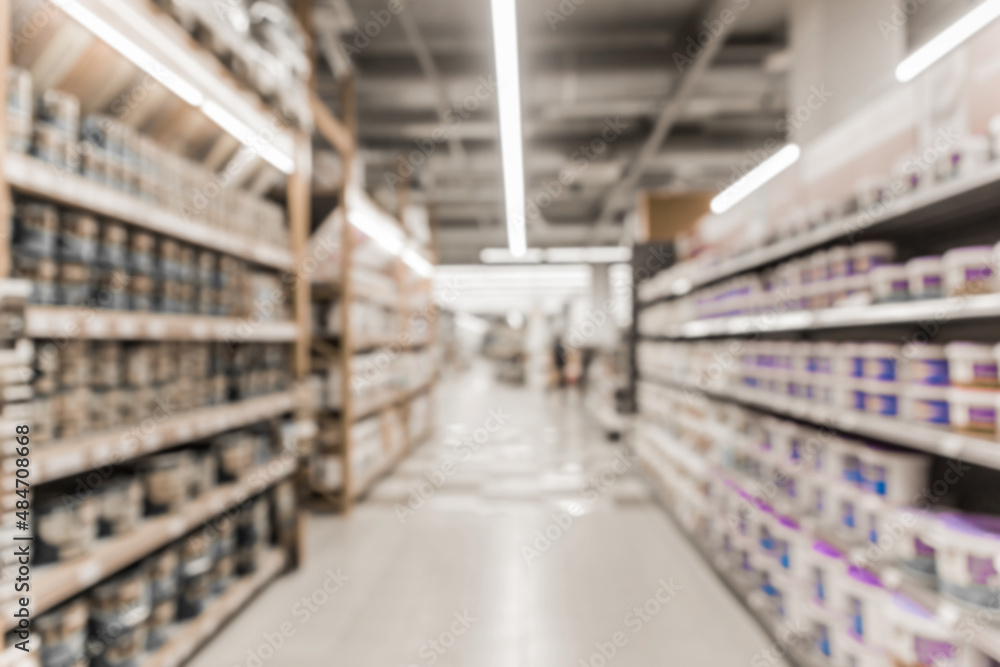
<point>505,256</point>
<point>582,255</point>
<point>176,84</point>
<point>371,221</point>
<point>242,132</point>
<point>948,40</point>
<point>589,255</point>
<point>509,104</point>
<point>132,51</point>
<point>754,180</point>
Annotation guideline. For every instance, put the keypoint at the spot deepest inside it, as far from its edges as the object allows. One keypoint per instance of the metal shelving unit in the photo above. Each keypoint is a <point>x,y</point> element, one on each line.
<point>973,195</point>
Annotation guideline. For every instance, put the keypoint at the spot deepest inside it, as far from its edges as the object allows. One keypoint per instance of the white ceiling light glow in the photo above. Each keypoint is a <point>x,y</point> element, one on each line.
<point>948,40</point>
<point>582,255</point>
<point>382,228</point>
<point>177,84</point>
<point>756,179</point>
<point>137,55</point>
<point>509,105</point>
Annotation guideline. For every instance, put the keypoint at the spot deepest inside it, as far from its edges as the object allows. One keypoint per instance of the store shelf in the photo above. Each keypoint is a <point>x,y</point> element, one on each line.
<point>159,35</point>
<point>62,322</point>
<point>985,306</point>
<point>193,634</point>
<point>371,406</point>
<point>383,469</point>
<point>924,437</point>
<point>32,176</point>
<point>62,581</point>
<point>731,576</point>
<point>64,458</point>
<point>977,193</point>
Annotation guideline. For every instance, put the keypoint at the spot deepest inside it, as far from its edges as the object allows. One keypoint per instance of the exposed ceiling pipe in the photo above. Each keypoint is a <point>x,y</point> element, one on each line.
<point>683,89</point>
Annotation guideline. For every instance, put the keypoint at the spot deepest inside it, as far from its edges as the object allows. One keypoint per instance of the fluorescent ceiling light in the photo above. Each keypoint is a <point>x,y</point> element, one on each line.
<point>471,323</point>
<point>417,262</point>
<point>139,56</point>
<point>242,132</point>
<point>381,228</point>
<point>177,84</point>
<point>505,256</point>
<point>509,104</point>
<point>583,255</point>
<point>589,255</point>
<point>946,41</point>
<point>751,182</point>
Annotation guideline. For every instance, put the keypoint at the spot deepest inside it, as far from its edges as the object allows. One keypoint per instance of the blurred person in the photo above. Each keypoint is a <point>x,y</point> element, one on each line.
<point>559,361</point>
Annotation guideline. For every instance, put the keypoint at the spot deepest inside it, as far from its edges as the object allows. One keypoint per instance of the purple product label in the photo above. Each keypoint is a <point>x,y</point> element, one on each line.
<point>978,273</point>
<point>984,371</point>
<point>901,286</point>
<point>932,282</point>
<point>982,570</point>
<point>983,416</point>
<point>921,548</point>
<point>932,652</point>
<point>931,371</point>
<point>933,412</point>
<point>857,367</point>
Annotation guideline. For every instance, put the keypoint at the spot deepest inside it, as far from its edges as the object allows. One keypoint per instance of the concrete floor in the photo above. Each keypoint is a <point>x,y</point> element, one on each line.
<point>540,548</point>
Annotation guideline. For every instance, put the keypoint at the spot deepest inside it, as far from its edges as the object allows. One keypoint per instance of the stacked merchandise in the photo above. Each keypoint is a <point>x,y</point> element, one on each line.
<point>19,426</point>
<point>420,418</point>
<point>82,387</point>
<point>134,612</point>
<point>955,385</point>
<point>836,536</point>
<point>261,43</point>
<point>112,154</point>
<point>873,200</point>
<point>128,617</point>
<point>856,275</point>
<point>370,323</point>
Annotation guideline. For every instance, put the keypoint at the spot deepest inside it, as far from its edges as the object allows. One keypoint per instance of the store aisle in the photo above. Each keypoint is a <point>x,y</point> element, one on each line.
<point>540,548</point>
